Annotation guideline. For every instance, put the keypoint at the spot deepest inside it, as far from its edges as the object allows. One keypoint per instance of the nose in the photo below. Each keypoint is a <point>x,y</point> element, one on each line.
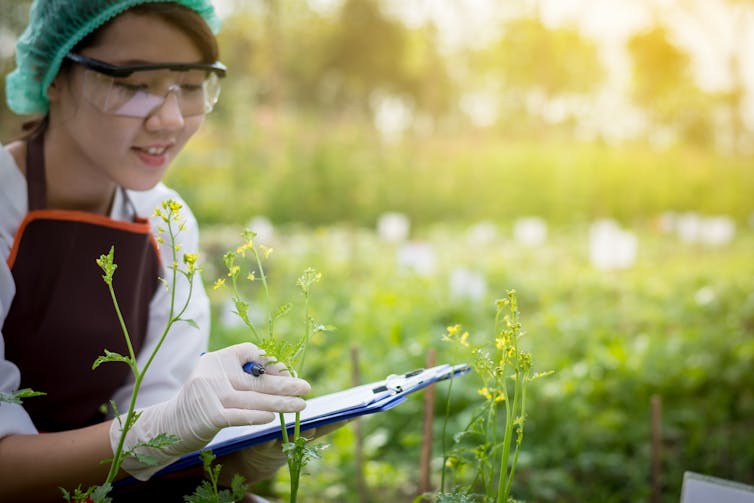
<point>168,115</point>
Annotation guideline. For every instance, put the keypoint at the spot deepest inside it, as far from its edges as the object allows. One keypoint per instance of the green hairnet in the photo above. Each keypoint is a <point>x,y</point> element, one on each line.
<point>55,27</point>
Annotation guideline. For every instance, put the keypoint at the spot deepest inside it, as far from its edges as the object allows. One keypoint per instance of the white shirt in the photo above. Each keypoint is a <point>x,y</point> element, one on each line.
<point>183,345</point>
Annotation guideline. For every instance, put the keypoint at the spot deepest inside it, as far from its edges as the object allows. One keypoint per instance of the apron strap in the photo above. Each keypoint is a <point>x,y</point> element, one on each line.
<point>36,177</point>
<point>36,181</point>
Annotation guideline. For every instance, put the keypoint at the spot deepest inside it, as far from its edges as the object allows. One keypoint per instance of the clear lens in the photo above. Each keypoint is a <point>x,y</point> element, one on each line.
<point>143,92</point>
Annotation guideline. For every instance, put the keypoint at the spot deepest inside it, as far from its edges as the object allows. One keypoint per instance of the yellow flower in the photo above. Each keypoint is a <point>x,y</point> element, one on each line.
<point>190,260</point>
<point>251,276</point>
<point>464,340</point>
<point>491,394</point>
<point>233,270</point>
<point>175,206</point>
<point>241,250</point>
<point>453,330</point>
<point>219,284</point>
<point>266,251</point>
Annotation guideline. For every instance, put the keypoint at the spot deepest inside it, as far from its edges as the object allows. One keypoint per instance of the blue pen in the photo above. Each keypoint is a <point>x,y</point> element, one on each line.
<point>253,368</point>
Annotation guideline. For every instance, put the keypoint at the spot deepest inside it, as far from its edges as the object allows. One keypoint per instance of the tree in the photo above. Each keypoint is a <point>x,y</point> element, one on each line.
<point>737,22</point>
<point>530,58</point>
<point>663,86</point>
<point>366,53</point>
<point>555,60</point>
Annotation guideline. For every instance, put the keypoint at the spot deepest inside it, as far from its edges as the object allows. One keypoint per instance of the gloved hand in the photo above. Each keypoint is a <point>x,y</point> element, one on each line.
<point>218,394</point>
<point>261,462</point>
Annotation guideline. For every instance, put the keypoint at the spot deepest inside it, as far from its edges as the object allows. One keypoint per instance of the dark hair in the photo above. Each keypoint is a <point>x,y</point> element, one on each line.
<point>178,16</point>
<point>183,18</point>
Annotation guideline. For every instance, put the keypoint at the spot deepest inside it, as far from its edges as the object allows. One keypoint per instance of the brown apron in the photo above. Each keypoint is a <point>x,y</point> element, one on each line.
<point>62,317</point>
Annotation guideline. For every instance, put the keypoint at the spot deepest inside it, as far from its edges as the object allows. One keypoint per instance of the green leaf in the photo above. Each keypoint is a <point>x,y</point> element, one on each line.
<point>100,494</point>
<point>110,356</point>
<point>95,494</point>
<point>238,487</point>
<point>207,492</point>
<point>203,494</point>
<point>160,441</point>
<point>145,459</point>
<point>191,323</point>
<point>17,396</point>
<point>282,310</point>
<point>107,265</point>
<point>539,375</point>
<point>242,307</point>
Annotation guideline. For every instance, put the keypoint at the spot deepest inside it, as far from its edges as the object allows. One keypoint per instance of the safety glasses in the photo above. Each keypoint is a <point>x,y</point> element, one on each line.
<point>138,90</point>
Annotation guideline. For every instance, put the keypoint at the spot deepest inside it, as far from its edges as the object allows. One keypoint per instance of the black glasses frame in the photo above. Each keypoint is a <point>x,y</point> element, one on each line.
<point>126,70</point>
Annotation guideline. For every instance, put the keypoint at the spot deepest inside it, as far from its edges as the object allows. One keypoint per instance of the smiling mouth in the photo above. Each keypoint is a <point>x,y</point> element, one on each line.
<point>153,150</point>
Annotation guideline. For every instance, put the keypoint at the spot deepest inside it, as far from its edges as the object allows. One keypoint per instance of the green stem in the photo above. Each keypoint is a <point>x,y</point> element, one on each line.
<point>510,415</point>
<point>295,464</point>
<point>139,375</point>
<point>444,438</point>
<point>297,427</point>
<point>506,449</point>
<point>295,475</point>
<point>178,316</point>
<point>282,427</point>
<point>270,322</point>
<point>244,316</point>
<point>307,334</point>
<point>519,438</point>
<point>122,322</point>
<point>118,454</point>
<point>488,469</point>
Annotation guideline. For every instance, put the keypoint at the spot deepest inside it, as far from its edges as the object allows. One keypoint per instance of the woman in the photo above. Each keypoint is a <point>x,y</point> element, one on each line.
<point>122,85</point>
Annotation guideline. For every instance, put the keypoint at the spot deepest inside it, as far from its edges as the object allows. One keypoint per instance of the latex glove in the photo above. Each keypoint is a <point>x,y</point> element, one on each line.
<point>261,462</point>
<point>218,394</point>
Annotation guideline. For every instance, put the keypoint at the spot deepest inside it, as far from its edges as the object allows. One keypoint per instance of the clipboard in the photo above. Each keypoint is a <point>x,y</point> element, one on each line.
<point>361,400</point>
<point>699,488</point>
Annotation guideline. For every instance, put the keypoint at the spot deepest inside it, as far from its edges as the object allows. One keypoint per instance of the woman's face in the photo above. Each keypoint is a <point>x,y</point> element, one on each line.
<point>109,149</point>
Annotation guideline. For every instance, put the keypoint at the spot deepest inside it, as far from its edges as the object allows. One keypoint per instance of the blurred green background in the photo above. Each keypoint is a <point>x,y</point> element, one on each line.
<point>428,155</point>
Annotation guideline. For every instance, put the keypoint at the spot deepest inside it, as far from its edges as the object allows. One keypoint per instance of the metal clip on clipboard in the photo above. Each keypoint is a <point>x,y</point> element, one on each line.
<point>398,383</point>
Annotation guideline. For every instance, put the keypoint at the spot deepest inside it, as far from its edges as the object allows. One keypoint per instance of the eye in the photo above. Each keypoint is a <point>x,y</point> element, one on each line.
<point>131,87</point>
<point>189,89</point>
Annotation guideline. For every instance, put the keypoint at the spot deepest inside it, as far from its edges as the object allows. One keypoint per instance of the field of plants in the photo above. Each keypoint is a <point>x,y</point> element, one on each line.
<point>590,172</point>
<point>621,300</point>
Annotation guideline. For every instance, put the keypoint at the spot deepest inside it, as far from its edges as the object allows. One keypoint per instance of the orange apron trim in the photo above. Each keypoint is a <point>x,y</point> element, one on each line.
<point>140,225</point>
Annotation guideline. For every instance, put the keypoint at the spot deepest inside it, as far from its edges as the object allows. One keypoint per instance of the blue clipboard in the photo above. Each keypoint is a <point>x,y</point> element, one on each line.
<point>358,401</point>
